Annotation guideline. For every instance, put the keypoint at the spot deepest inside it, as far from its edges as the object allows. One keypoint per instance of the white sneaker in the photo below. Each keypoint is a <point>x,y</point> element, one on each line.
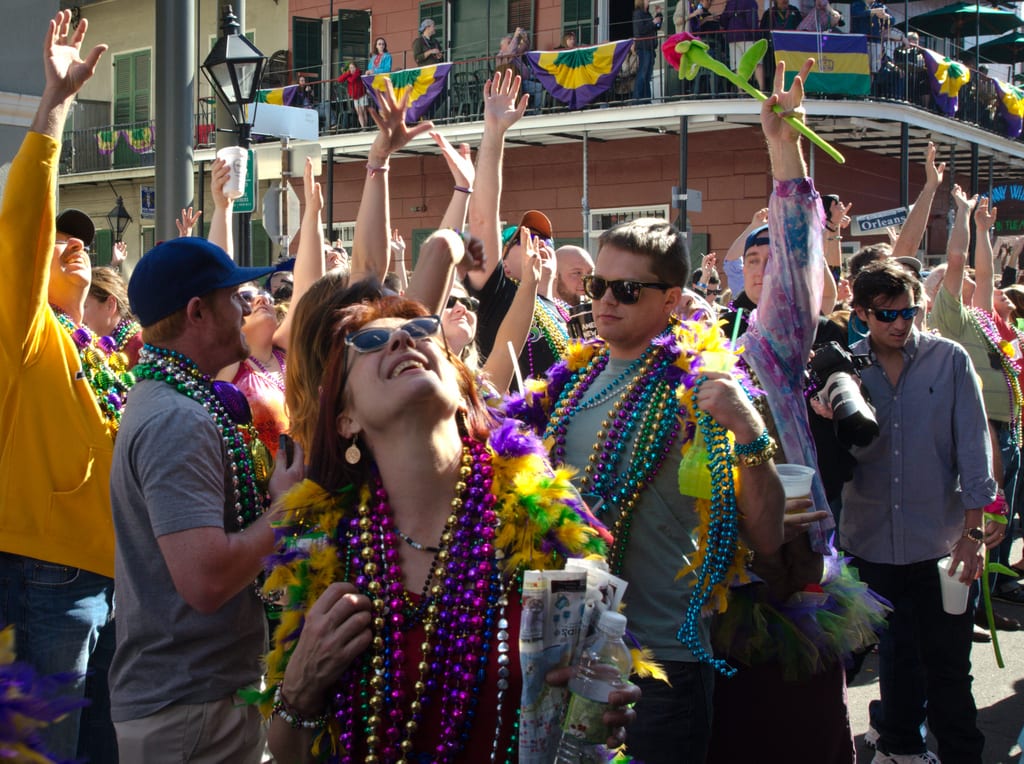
<point>905,758</point>
<point>871,738</point>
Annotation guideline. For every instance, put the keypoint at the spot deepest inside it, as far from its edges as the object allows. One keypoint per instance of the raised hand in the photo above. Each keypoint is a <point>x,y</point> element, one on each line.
<point>500,108</point>
<point>220,173</point>
<point>776,130</point>
<point>313,192</point>
<point>118,255</point>
<point>393,133</point>
<point>186,221</point>
<point>984,214</point>
<point>460,161</point>
<point>64,67</point>
<point>933,172</point>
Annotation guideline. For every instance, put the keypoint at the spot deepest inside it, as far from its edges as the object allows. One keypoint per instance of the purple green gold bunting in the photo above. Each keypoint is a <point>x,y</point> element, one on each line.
<point>946,78</point>
<point>578,76</point>
<point>1010,106</point>
<point>841,61</point>
<point>424,84</point>
<point>280,96</point>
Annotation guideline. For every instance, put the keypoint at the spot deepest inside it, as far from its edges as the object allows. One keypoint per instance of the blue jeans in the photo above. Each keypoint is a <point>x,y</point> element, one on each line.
<point>1010,453</point>
<point>673,722</point>
<point>924,665</point>
<point>57,613</point>
<point>644,73</point>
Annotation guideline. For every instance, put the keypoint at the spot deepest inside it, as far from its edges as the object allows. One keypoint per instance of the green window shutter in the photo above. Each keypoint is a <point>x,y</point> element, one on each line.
<point>132,87</point>
<point>306,45</point>
<point>262,246</point>
<point>435,10</point>
<point>122,90</point>
<point>354,38</point>
<point>141,87</point>
<point>102,246</point>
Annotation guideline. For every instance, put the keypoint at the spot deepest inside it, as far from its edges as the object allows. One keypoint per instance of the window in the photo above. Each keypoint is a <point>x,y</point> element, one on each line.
<point>307,46</point>
<point>343,232</point>
<point>351,38</point>
<point>578,17</point>
<point>435,10</point>
<point>102,247</point>
<point>602,220</point>
<point>132,136</point>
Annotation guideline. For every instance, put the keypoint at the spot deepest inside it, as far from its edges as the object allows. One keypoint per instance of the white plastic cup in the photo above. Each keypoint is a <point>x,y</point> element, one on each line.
<point>237,159</point>
<point>796,480</point>
<point>954,593</point>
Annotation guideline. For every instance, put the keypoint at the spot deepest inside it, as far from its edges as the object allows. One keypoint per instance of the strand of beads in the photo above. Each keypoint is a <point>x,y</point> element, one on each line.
<point>126,329</point>
<point>277,380</point>
<point>553,330</point>
<point>986,327</point>
<point>105,369</point>
<point>181,373</point>
<point>722,535</point>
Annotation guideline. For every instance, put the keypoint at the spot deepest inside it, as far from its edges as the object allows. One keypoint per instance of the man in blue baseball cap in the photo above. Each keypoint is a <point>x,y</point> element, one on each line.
<point>189,475</point>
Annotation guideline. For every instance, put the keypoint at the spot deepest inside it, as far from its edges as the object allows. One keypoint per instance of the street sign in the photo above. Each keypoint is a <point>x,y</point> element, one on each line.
<point>876,222</point>
<point>247,201</point>
<point>281,216</point>
<point>287,122</point>
<point>148,205</point>
<point>694,199</point>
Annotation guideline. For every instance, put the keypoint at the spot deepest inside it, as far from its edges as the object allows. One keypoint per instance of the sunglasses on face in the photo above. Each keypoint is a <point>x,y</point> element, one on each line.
<point>64,243</point>
<point>888,315</point>
<point>469,303</point>
<point>375,338</point>
<point>625,291</point>
<point>249,296</point>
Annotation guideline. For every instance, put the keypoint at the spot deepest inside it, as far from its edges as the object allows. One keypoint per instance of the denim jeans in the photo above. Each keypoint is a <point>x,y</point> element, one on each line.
<point>924,665</point>
<point>57,613</point>
<point>1010,453</point>
<point>644,73</point>
<point>673,722</point>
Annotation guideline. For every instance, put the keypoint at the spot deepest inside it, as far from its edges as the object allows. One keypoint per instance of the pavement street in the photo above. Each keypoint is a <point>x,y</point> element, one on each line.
<point>998,693</point>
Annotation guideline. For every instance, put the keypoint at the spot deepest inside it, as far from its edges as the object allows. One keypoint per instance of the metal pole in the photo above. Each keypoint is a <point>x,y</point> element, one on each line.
<point>975,182</point>
<point>585,201</point>
<point>904,164</point>
<point>175,69</point>
<point>329,184</point>
<point>201,200</point>
<point>684,148</point>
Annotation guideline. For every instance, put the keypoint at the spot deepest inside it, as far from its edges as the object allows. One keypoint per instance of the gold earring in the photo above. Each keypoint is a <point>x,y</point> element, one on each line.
<point>353,454</point>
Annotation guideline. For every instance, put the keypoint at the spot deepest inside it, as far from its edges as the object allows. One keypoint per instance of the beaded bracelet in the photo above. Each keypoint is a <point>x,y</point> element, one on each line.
<point>374,171</point>
<point>700,285</point>
<point>284,709</point>
<point>759,451</point>
<point>463,189</point>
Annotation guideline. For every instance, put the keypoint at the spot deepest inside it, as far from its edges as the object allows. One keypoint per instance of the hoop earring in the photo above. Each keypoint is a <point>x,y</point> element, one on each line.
<point>353,454</point>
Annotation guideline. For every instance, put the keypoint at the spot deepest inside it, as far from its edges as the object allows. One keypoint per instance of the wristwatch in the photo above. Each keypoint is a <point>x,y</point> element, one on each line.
<point>974,534</point>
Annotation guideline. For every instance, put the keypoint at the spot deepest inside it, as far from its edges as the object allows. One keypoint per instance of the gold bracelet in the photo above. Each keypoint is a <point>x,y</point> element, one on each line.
<point>756,458</point>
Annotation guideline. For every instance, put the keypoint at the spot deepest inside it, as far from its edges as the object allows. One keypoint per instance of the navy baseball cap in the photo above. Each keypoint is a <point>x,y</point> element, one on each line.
<point>756,238</point>
<point>175,271</point>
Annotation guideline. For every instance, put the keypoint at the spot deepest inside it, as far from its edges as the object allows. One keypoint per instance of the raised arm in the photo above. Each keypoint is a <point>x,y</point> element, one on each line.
<point>220,223</point>
<point>909,240</point>
<point>732,265</point>
<point>309,258</point>
<point>373,220</point>
<point>984,274</point>
<point>500,113</point>
<point>460,163</point>
<point>441,253</point>
<point>956,247</point>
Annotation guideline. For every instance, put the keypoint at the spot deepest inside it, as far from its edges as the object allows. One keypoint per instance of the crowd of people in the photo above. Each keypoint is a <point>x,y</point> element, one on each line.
<point>369,470</point>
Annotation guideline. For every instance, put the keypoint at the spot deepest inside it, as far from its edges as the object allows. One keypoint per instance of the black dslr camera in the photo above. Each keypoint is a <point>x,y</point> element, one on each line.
<point>831,375</point>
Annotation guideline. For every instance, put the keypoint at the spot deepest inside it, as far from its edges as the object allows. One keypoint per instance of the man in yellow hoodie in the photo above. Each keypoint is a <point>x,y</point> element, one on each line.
<point>58,409</point>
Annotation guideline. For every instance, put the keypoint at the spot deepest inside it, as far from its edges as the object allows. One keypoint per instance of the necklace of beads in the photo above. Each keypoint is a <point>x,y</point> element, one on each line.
<point>644,415</point>
<point>722,535</point>
<point>552,327</point>
<point>463,613</point>
<point>126,329</point>
<point>989,332</point>
<point>105,368</point>
<point>276,379</point>
<point>250,468</point>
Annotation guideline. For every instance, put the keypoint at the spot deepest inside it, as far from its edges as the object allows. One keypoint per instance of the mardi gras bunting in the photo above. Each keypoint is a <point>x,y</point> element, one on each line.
<point>425,85</point>
<point>1010,106</point>
<point>279,96</point>
<point>841,61</point>
<point>946,77</point>
<point>578,76</point>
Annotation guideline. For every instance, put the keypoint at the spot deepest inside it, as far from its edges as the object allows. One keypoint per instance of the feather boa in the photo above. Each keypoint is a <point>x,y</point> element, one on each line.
<point>542,522</point>
<point>695,347</point>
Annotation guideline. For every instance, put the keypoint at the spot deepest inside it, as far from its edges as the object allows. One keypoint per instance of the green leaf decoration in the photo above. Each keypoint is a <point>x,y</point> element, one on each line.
<point>751,58</point>
<point>995,567</point>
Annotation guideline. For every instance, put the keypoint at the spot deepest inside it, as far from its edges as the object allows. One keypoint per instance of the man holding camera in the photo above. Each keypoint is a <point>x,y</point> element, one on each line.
<point>917,496</point>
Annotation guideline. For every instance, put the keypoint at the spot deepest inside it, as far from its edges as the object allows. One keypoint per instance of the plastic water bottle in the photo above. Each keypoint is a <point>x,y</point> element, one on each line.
<point>604,666</point>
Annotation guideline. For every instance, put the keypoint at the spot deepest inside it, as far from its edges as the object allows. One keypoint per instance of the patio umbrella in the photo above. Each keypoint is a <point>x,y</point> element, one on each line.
<point>962,20</point>
<point>1008,49</point>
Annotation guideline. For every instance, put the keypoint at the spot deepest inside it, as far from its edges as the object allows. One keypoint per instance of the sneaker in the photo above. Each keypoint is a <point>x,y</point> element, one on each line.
<point>905,758</point>
<point>871,738</point>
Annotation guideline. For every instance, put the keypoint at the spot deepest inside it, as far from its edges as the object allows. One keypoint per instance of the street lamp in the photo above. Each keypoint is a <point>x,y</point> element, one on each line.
<point>118,219</point>
<point>234,69</point>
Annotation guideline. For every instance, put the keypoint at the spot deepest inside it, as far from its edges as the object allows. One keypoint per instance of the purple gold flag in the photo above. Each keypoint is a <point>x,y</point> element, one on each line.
<point>425,85</point>
<point>578,76</point>
<point>946,77</point>
<point>280,96</point>
<point>1010,106</point>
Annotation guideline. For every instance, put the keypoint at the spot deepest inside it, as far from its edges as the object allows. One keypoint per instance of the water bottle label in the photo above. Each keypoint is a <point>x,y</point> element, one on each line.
<point>584,719</point>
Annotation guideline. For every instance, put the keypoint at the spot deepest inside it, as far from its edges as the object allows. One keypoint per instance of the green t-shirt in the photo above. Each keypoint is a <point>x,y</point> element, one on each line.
<point>954,322</point>
<point>660,540</point>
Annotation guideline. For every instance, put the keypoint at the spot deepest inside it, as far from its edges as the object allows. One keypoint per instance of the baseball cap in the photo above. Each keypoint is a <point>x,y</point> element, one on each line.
<point>76,223</point>
<point>912,263</point>
<point>426,23</point>
<point>537,222</point>
<point>175,271</point>
<point>757,238</point>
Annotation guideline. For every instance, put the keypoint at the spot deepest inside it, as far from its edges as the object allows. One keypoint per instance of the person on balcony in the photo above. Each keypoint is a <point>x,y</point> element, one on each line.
<point>824,18</point>
<point>874,21</point>
<point>739,19</point>
<point>645,40</point>
<point>425,49</point>
<point>781,17</point>
<point>353,79</point>
<point>380,62</point>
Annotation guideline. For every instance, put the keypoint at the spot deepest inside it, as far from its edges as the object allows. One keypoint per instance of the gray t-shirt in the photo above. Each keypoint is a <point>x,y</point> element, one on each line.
<point>660,540</point>
<point>171,473</point>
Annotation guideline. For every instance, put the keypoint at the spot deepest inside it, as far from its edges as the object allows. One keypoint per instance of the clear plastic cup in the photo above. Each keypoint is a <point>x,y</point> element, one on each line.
<point>237,160</point>
<point>796,480</point>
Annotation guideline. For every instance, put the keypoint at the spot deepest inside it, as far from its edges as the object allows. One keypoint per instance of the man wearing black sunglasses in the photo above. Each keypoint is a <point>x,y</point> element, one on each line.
<point>917,495</point>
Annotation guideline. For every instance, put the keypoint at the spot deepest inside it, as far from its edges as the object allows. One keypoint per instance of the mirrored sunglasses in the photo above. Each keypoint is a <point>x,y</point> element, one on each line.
<point>469,303</point>
<point>888,315</point>
<point>249,295</point>
<point>625,291</point>
<point>373,339</point>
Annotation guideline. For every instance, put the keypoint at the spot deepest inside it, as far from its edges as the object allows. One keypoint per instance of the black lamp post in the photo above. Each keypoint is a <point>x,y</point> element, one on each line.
<point>118,219</point>
<point>235,69</point>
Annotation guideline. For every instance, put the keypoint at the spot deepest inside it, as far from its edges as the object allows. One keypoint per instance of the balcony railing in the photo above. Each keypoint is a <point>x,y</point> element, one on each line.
<point>132,145</point>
